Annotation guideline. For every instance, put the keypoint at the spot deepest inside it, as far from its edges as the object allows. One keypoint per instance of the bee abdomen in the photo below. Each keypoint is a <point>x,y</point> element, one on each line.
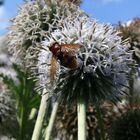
<point>70,62</point>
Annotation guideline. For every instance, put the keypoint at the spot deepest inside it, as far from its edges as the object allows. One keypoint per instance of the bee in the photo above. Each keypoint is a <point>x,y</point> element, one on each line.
<point>66,54</point>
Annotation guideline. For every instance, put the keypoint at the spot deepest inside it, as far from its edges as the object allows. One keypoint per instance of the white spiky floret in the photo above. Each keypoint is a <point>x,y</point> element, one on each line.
<point>100,42</point>
<point>43,78</point>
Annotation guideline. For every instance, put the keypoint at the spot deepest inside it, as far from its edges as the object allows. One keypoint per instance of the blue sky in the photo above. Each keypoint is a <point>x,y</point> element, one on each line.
<point>103,10</point>
<point>112,10</point>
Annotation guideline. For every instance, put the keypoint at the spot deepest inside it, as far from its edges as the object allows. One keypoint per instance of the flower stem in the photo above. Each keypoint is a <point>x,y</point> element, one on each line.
<point>52,119</point>
<point>81,110</point>
<point>40,117</point>
<point>32,113</point>
<point>23,110</point>
<point>21,123</point>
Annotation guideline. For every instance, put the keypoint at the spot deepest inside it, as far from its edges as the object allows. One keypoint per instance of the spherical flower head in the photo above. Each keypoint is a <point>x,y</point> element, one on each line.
<point>131,30</point>
<point>105,61</point>
<point>7,110</point>
<point>6,59</point>
<point>76,2</point>
<point>35,19</point>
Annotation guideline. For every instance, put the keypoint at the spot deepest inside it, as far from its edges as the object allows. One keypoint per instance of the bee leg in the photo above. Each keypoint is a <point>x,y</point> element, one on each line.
<point>80,63</point>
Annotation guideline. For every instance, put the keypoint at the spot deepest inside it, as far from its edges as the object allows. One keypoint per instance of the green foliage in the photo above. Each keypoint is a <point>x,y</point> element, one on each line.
<point>127,127</point>
<point>26,99</point>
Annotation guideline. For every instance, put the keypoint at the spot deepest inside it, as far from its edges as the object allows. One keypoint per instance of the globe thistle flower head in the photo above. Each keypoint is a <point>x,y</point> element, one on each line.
<point>76,2</point>
<point>6,59</point>
<point>105,61</point>
<point>7,110</point>
<point>35,19</point>
<point>131,30</point>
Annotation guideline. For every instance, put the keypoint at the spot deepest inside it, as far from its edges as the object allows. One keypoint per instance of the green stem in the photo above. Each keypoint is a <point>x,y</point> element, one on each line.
<point>52,119</point>
<point>22,117</point>
<point>32,113</point>
<point>81,110</point>
<point>21,123</point>
<point>40,118</point>
<point>100,122</point>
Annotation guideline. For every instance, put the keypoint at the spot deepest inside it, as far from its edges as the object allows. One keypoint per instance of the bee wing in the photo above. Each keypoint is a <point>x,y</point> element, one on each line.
<point>70,46</point>
<point>53,68</point>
